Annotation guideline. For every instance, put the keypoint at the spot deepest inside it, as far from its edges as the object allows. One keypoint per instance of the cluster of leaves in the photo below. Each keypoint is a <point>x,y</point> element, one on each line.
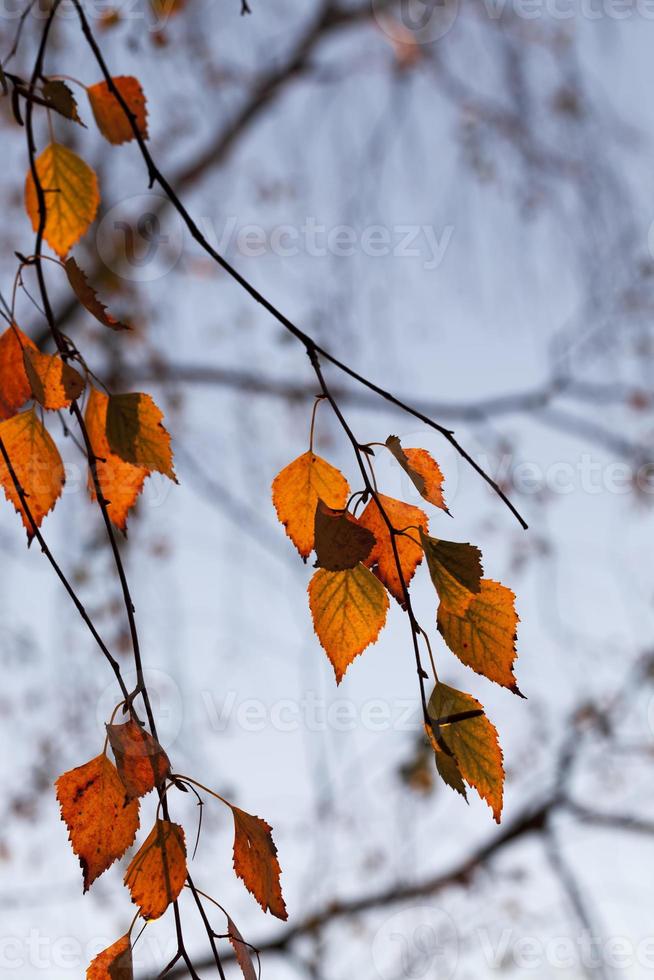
<point>362,560</point>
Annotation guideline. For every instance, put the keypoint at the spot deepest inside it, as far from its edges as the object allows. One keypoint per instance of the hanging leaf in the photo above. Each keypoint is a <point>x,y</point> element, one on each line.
<point>101,821</point>
<point>15,387</point>
<point>256,863</point>
<point>108,112</point>
<point>455,570</point>
<point>422,469</point>
<point>36,463</point>
<point>114,963</point>
<point>142,763</point>
<point>120,482</point>
<point>473,743</point>
<point>296,491</point>
<point>483,635</point>
<point>136,435</point>
<point>71,197</point>
<point>446,765</point>
<point>349,611</point>
<point>241,951</point>
<point>88,297</point>
<point>340,540</point>
<point>157,872</point>
<point>60,98</point>
<point>382,556</point>
<point>54,383</point>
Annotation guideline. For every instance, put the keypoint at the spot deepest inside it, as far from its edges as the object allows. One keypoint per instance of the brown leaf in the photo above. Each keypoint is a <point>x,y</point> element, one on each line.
<point>455,570</point>
<point>255,861</point>
<point>157,872</point>
<point>340,540</point>
<point>141,762</point>
<point>135,433</point>
<point>88,297</point>
<point>115,963</point>
<point>241,951</point>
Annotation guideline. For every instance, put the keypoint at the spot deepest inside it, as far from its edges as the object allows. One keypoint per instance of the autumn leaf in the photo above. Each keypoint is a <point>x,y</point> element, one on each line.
<point>88,297</point>
<point>15,387</point>
<point>296,491</point>
<point>120,482</point>
<point>241,951</point>
<point>349,610</point>
<point>157,872</point>
<point>54,383</point>
<point>340,540</point>
<point>422,469</point>
<point>483,635</point>
<point>60,98</point>
<point>382,556</point>
<point>71,197</point>
<point>455,570</point>
<point>36,464</point>
<point>109,115</point>
<point>446,765</point>
<point>115,963</point>
<point>256,863</point>
<point>142,763</point>
<point>135,433</point>
<point>473,742</point>
<point>101,821</point>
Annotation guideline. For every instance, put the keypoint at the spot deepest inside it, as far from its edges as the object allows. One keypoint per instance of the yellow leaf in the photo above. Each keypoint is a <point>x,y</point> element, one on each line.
<point>136,435</point>
<point>349,610</point>
<point>473,742</point>
<point>382,556</point>
<point>120,482</point>
<point>112,121</point>
<point>157,872</point>
<point>340,540</point>
<point>422,469</point>
<point>115,963</point>
<point>483,635</point>
<point>455,570</point>
<point>36,463</point>
<point>256,863</point>
<point>15,387</point>
<point>71,197</point>
<point>101,821</point>
<point>296,491</point>
<point>54,383</point>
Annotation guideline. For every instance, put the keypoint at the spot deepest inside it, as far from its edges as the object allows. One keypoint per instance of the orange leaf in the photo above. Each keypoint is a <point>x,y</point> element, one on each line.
<point>296,491</point>
<point>120,482</point>
<point>241,951</point>
<point>382,556</point>
<point>422,469</point>
<point>14,384</point>
<point>36,463</point>
<point>54,383</point>
<point>114,963</point>
<point>136,435</point>
<point>483,634</point>
<point>473,742</point>
<point>88,297</point>
<point>101,821</point>
<point>340,540</point>
<point>71,197</point>
<point>142,763</point>
<point>255,861</point>
<point>157,872</point>
<point>349,610</point>
<point>112,121</point>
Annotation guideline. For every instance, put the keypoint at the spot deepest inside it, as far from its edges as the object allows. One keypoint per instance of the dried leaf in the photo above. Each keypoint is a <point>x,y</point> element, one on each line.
<point>483,635</point>
<point>349,610</point>
<point>15,387</point>
<point>256,863</point>
<point>88,297</point>
<point>447,766</point>
<point>115,963</point>
<point>108,112</point>
<point>101,821</point>
<point>382,556</point>
<point>474,744</point>
<point>455,570</point>
<point>36,463</point>
<point>71,197</point>
<point>54,383</point>
<point>120,482</point>
<point>422,469</point>
<point>241,951</point>
<point>296,491</point>
<point>157,872</point>
<point>135,433</point>
<point>142,763</point>
<point>60,98</point>
<point>340,540</point>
